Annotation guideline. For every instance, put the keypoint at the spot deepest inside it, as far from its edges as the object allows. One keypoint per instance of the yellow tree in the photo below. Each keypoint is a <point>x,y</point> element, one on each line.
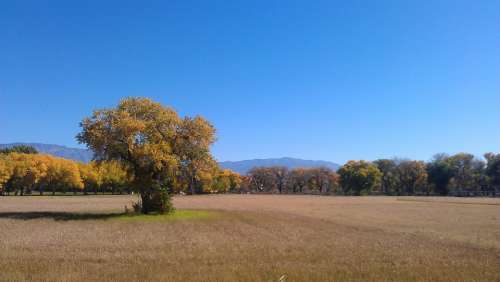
<point>27,170</point>
<point>151,141</point>
<point>38,170</point>
<point>90,177</point>
<point>62,175</point>
<point>20,177</point>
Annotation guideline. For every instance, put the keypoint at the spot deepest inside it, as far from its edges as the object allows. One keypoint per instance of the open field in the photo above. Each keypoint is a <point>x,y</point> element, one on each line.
<point>251,238</point>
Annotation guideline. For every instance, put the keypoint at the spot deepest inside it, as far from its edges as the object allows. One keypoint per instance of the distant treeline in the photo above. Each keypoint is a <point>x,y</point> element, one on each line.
<point>458,175</point>
<point>23,172</point>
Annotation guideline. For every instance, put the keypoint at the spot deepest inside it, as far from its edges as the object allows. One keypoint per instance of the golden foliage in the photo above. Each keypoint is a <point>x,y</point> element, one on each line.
<point>24,172</point>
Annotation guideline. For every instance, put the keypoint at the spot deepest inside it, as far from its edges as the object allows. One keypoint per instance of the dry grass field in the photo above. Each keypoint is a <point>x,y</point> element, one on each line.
<point>251,238</point>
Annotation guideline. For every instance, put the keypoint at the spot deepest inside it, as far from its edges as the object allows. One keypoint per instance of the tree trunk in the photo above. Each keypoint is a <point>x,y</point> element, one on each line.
<point>145,198</point>
<point>191,186</point>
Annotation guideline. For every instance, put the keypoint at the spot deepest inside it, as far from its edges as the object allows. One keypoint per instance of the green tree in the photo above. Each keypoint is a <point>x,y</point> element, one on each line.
<point>359,177</point>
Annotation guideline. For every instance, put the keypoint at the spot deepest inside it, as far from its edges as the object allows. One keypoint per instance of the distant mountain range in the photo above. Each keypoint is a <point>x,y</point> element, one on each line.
<point>244,166</point>
<point>84,155</point>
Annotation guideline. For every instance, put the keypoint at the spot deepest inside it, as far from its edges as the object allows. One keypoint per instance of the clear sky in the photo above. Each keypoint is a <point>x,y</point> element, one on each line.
<point>330,80</point>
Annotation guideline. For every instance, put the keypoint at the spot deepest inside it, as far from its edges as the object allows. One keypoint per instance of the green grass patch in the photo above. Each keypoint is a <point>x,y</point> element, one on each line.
<point>178,215</point>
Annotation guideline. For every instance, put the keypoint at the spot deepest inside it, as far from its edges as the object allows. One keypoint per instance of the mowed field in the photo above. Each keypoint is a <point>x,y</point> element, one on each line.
<point>251,238</point>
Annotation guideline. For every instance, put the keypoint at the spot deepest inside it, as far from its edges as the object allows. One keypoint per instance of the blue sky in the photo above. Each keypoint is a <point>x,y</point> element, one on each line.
<point>331,80</point>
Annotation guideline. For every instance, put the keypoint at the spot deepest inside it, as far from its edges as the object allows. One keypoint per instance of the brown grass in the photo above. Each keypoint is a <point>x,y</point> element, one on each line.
<point>252,238</point>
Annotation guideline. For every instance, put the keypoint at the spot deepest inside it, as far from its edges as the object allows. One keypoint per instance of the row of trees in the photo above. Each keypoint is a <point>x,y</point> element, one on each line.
<point>460,175</point>
<point>24,172</point>
<point>282,180</point>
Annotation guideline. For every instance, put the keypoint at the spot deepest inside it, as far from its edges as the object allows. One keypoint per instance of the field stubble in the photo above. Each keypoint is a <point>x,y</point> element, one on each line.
<point>252,238</point>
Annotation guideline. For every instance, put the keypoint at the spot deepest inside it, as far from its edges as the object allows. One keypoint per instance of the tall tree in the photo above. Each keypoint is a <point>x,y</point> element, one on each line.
<point>152,141</point>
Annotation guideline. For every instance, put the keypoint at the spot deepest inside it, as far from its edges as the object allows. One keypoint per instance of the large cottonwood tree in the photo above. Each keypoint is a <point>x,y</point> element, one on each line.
<point>153,142</point>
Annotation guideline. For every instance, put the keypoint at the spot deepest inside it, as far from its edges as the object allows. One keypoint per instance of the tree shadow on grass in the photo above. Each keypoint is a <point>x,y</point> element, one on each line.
<point>59,216</point>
